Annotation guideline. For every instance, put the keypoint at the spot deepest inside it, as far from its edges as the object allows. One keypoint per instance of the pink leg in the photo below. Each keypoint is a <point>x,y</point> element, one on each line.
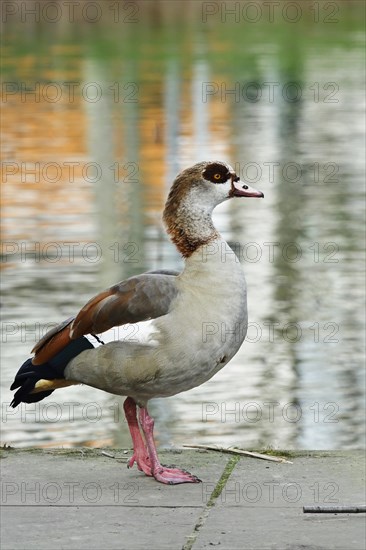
<point>161,473</point>
<point>140,454</point>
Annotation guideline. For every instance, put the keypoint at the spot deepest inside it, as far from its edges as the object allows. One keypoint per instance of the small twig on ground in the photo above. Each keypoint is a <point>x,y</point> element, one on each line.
<point>234,450</point>
<point>107,454</point>
<point>334,509</point>
<point>119,458</point>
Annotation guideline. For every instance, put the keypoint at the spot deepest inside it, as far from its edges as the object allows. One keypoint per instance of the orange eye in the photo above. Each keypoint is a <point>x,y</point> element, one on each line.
<point>217,176</point>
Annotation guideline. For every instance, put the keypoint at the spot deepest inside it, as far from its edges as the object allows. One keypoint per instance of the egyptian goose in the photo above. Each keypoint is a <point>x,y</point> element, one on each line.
<point>199,320</point>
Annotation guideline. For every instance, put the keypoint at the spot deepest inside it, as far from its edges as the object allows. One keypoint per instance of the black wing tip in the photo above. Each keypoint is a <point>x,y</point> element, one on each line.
<point>28,375</point>
<point>15,402</point>
<point>23,396</point>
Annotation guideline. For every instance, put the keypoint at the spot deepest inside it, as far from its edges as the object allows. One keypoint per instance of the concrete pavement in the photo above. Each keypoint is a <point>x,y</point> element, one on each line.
<point>83,499</point>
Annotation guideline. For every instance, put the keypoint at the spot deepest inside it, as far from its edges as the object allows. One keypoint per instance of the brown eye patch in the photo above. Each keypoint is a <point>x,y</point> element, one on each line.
<point>215,172</point>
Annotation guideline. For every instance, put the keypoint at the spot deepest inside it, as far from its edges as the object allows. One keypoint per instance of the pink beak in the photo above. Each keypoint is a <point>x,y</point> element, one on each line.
<point>241,189</point>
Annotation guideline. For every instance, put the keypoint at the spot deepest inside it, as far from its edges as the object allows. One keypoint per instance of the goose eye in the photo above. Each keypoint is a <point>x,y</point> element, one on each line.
<point>217,176</point>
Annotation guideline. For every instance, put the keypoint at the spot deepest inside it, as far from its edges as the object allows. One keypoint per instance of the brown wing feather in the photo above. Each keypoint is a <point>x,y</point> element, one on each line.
<point>39,345</point>
<point>82,323</point>
<point>53,345</point>
<point>146,296</point>
<point>136,299</point>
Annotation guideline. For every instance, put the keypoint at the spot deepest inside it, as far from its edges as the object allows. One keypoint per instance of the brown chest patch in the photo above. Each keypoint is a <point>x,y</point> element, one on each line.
<point>186,233</point>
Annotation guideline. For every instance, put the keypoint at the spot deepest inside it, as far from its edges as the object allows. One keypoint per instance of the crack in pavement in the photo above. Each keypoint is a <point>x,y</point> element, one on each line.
<point>229,468</point>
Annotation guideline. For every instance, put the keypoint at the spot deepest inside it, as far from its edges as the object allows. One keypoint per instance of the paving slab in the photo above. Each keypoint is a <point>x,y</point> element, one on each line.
<point>81,498</point>
<point>261,505</point>
<point>76,499</point>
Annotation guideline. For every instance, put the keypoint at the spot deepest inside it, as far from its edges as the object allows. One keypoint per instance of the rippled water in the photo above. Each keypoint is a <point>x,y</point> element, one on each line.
<point>88,159</point>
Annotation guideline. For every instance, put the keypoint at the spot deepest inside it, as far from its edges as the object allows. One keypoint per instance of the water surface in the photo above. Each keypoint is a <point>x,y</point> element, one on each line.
<point>117,110</point>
